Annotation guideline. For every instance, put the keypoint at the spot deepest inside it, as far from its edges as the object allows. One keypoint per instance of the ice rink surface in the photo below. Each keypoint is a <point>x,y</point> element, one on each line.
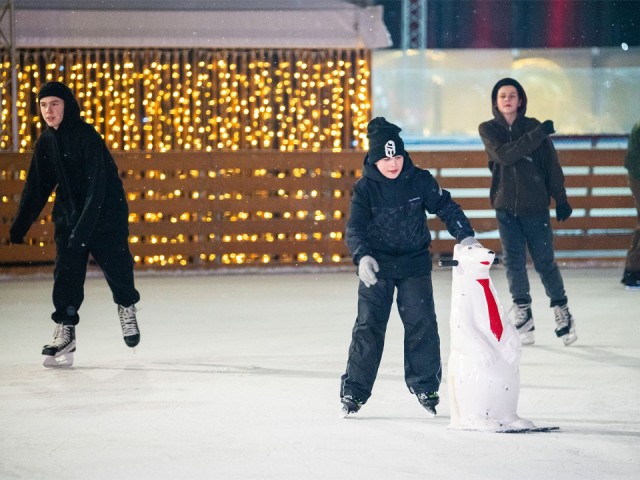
<point>237,377</point>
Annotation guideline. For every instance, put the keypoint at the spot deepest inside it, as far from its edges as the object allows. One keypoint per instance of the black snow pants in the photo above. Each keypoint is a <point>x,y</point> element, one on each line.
<point>422,364</point>
<point>111,253</point>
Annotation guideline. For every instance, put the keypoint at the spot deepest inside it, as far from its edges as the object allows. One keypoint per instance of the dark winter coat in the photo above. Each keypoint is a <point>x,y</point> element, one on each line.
<point>524,164</point>
<point>387,219</point>
<point>74,161</point>
<point>632,158</point>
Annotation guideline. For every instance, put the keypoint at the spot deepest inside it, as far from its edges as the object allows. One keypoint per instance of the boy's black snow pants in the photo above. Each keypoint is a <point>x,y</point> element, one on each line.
<point>422,364</point>
<point>112,255</point>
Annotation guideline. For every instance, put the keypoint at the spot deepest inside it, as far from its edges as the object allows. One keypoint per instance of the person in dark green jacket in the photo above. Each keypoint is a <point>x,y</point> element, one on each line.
<point>90,215</point>
<point>631,276</point>
<point>388,238</point>
<point>525,175</point>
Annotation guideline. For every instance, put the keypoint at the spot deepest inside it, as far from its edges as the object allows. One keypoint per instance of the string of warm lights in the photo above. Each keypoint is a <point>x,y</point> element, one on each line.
<point>242,214</point>
<point>200,100</point>
<point>212,101</point>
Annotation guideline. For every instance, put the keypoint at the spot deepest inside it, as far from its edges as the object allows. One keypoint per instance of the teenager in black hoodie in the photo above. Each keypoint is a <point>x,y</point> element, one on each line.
<point>526,173</point>
<point>388,238</point>
<point>90,214</point>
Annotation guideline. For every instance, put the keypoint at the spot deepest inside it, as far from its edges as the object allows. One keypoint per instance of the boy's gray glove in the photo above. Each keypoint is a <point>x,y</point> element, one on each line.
<point>367,269</point>
<point>470,241</point>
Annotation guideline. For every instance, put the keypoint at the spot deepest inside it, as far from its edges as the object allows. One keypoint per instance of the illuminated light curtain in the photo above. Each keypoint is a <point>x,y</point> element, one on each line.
<point>202,100</point>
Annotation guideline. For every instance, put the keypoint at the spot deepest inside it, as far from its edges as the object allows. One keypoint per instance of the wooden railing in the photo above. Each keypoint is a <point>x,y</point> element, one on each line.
<point>261,209</point>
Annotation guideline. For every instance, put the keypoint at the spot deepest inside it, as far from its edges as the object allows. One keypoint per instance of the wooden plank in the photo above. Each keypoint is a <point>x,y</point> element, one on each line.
<point>27,253</point>
<point>596,181</point>
<point>191,250</point>
<point>592,242</point>
<point>250,227</point>
<point>592,158</point>
<point>600,202</point>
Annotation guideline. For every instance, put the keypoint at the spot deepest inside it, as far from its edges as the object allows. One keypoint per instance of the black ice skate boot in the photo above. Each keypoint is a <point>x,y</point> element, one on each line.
<point>566,325</point>
<point>350,405</point>
<point>523,322</point>
<point>129,325</point>
<point>429,400</point>
<point>59,353</point>
<point>631,280</point>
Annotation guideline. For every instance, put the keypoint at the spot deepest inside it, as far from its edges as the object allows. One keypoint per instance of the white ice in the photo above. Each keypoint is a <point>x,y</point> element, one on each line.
<point>237,377</point>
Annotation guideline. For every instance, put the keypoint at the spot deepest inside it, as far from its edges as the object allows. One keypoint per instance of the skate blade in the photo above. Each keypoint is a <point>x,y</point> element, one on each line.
<point>431,413</point>
<point>345,414</point>
<point>527,338</point>
<point>529,430</point>
<point>59,361</point>
<point>569,339</point>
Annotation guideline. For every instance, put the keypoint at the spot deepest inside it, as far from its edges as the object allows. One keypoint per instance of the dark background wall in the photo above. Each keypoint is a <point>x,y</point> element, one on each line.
<point>523,23</point>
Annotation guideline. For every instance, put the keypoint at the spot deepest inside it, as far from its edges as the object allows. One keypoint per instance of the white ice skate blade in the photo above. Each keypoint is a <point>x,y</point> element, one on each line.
<point>569,339</point>
<point>59,361</point>
<point>528,338</point>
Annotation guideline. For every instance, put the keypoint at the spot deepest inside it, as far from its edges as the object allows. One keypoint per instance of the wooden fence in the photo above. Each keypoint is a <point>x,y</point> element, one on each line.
<point>237,209</point>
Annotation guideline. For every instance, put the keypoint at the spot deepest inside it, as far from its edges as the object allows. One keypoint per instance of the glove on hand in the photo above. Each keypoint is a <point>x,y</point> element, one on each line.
<point>470,242</point>
<point>563,211</point>
<point>547,126</point>
<point>367,269</point>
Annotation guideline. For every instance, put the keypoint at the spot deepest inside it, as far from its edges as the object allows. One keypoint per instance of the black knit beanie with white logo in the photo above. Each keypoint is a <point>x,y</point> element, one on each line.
<point>384,140</point>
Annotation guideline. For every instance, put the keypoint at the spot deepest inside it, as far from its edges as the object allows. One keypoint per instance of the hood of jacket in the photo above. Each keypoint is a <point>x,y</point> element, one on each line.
<point>71,107</point>
<point>522,109</point>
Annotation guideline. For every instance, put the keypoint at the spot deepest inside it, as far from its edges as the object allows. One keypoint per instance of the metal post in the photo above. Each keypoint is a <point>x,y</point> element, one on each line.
<point>414,24</point>
<point>8,40</point>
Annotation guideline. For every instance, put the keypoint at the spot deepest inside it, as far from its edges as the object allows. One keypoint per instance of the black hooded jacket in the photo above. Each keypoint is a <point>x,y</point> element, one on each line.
<point>387,219</point>
<point>74,161</point>
<point>523,162</point>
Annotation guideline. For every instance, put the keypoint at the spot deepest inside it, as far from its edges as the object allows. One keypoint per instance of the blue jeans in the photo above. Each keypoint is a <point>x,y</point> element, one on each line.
<point>532,232</point>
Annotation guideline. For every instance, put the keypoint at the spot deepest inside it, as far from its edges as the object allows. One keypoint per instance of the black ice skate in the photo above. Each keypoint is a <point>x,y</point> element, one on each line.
<point>523,322</point>
<point>566,325</point>
<point>631,280</point>
<point>350,405</point>
<point>59,353</point>
<point>429,400</point>
<point>129,325</point>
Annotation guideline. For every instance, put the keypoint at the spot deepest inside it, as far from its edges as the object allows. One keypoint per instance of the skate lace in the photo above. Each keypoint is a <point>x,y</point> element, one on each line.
<point>128,321</point>
<point>352,400</point>
<point>428,397</point>
<point>61,335</point>
<point>520,313</point>
<point>563,317</point>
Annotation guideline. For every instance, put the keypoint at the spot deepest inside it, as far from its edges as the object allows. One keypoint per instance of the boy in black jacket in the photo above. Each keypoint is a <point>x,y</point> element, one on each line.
<point>388,238</point>
<point>90,214</point>
<point>526,173</point>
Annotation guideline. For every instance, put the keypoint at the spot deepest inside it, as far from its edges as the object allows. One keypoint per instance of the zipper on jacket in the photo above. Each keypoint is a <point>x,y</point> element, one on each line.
<point>515,179</point>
